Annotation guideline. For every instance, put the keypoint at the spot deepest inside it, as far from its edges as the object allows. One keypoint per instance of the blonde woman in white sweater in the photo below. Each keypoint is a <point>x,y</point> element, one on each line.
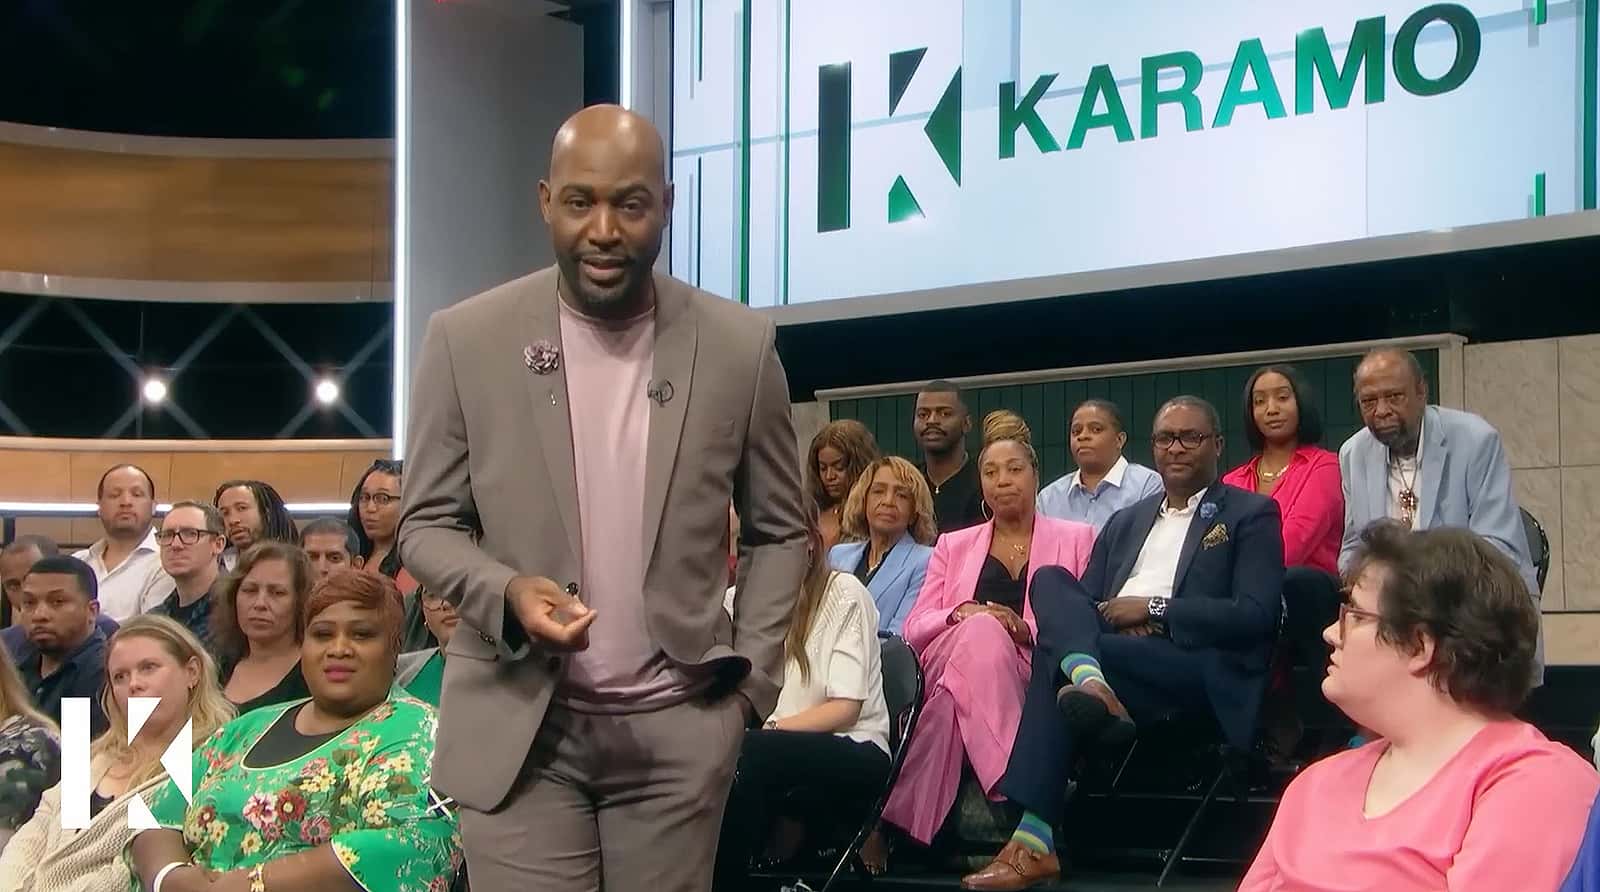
<point>824,753</point>
<point>149,656</point>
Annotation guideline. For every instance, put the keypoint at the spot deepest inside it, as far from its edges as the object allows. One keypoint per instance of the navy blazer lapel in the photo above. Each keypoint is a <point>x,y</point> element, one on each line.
<point>1431,473</point>
<point>1199,525</point>
<point>1144,520</point>
<point>548,395</point>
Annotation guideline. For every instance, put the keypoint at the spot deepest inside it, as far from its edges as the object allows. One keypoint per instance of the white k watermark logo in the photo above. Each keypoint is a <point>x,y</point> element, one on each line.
<point>75,775</point>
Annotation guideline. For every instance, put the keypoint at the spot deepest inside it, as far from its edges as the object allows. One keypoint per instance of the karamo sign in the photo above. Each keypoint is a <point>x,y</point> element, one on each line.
<point>1368,60</point>
<point>76,778</point>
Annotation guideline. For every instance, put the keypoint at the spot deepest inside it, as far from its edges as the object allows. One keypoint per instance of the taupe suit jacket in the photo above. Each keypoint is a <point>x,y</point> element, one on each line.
<point>491,493</point>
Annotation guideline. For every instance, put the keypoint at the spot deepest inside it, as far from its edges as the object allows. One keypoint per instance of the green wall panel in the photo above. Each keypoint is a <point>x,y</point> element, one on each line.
<point>1048,405</point>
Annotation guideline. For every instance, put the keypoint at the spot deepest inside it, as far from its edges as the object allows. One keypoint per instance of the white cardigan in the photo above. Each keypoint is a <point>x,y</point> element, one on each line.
<point>846,662</point>
<point>43,857</point>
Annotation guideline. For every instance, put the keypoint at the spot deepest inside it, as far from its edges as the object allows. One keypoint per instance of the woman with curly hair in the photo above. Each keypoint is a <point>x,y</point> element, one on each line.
<point>839,454</point>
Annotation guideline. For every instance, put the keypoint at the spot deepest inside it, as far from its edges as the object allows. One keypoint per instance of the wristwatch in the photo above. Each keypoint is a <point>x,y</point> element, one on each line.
<point>1157,608</point>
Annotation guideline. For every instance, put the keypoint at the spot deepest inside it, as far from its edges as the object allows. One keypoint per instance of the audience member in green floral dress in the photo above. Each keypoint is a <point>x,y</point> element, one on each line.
<point>30,752</point>
<point>329,793</point>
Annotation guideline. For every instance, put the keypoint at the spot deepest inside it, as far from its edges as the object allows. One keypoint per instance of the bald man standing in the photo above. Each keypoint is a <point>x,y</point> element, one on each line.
<point>575,438</point>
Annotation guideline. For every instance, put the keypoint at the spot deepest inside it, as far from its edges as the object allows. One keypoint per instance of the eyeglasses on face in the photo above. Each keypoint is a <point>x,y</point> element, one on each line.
<point>380,499</point>
<point>186,535</point>
<point>1189,439</point>
<point>1347,611</point>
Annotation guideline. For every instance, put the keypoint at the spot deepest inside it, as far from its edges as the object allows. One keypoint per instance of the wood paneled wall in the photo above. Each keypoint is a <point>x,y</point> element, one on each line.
<point>74,212</point>
<point>39,470</point>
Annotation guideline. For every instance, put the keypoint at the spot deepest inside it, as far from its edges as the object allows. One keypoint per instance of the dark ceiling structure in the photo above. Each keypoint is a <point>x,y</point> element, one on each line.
<point>264,69</point>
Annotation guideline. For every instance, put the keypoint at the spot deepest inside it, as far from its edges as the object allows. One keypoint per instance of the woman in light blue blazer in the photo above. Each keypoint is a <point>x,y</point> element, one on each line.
<point>889,516</point>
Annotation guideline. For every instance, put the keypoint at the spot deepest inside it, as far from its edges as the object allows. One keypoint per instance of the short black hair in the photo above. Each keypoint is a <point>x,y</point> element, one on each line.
<point>1309,432</point>
<point>1406,356</point>
<point>943,386</point>
<point>67,565</point>
<point>332,526</point>
<point>100,488</point>
<point>1106,406</point>
<point>1469,597</point>
<point>45,545</point>
<point>213,516</point>
<point>1194,402</point>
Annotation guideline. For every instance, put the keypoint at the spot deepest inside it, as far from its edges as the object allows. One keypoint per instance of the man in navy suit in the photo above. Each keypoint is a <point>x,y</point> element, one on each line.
<point>1179,606</point>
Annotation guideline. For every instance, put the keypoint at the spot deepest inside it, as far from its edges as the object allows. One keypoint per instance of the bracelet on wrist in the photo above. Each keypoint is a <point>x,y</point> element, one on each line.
<point>161,875</point>
<point>258,878</point>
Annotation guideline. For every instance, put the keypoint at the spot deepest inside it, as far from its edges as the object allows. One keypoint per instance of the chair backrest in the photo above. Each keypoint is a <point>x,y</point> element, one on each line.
<point>1538,545</point>
<point>902,689</point>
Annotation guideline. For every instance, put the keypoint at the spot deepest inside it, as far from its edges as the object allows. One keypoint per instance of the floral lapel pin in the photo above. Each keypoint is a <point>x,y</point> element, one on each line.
<point>542,357</point>
<point>1208,510</point>
<point>1217,535</point>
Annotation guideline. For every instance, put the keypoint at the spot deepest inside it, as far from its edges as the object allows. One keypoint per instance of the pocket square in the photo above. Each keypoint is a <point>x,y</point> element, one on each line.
<point>1217,535</point>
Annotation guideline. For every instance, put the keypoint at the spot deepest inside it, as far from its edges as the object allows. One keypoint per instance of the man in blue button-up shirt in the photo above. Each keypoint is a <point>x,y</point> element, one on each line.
<point>1105,482</point>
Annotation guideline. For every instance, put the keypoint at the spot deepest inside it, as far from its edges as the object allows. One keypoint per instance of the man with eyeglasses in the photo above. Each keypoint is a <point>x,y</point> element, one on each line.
<point>191,540</point>
<point>1427,466</point>
<point>1177,612</point>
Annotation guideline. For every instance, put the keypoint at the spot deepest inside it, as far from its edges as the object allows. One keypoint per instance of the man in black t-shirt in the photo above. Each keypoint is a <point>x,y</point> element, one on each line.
<point>941,424</point>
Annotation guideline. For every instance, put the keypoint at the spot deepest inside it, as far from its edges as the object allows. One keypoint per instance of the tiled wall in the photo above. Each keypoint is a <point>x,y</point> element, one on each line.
<point>1544,397</point>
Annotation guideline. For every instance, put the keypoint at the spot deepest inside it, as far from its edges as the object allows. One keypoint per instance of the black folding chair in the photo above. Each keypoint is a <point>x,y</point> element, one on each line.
<point>902,694</point>
<point>1538,545</point>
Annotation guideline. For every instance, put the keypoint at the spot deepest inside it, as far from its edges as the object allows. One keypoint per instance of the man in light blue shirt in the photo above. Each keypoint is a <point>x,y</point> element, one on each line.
<point>1104,482</point>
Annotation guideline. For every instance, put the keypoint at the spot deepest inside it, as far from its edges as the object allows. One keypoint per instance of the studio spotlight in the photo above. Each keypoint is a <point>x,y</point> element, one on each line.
<point>327,391</point>
<point>155,390</point>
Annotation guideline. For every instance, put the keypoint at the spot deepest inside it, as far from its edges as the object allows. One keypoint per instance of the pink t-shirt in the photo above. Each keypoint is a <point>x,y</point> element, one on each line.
<point>1505,814</point>
<point>608,368</point>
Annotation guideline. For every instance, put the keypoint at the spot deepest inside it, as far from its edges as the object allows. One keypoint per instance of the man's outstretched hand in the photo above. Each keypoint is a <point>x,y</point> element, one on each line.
<point>552,618</point>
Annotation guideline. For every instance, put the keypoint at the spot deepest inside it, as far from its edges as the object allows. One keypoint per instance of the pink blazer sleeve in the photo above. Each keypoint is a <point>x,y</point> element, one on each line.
<point>931,613</point>
<point>1316,514</point>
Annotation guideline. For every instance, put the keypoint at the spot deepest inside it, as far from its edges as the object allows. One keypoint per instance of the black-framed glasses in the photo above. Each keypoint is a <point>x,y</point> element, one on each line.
<point>380,499</point>
<point>1189,439</point>
<point>431,601</point>
<point>1347,610</point>
<point>186,535</point>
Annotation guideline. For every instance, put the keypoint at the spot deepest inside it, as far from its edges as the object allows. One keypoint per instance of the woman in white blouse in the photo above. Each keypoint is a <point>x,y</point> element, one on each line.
<point>824,753</point>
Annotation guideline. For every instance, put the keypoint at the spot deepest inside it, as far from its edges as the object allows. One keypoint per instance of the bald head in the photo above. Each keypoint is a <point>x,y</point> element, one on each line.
<point>609,130</point>
<point>607,201</point>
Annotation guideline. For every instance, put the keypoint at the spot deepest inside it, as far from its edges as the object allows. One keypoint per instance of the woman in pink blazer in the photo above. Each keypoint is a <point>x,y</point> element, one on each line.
<point>973,630</point>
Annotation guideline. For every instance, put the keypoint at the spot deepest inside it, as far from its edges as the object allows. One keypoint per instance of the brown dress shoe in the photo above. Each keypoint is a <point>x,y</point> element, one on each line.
<point>1016,867</point>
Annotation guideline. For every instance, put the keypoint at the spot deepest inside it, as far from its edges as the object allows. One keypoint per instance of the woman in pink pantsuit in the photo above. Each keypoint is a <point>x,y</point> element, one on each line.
<point>973,630</point>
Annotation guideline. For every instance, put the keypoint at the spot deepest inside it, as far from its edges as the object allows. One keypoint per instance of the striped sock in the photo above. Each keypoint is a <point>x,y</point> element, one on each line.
<point>1034,833</point>
<point>1080,668</point>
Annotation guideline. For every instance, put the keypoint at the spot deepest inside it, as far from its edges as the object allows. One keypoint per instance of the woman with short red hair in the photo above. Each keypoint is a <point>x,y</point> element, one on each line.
<point>330,792</point>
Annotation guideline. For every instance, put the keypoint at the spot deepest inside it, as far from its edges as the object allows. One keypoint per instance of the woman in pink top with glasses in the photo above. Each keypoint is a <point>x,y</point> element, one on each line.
<point>1434,652</point>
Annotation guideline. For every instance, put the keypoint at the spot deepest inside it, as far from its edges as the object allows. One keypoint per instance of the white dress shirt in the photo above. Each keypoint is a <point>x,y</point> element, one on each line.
<point>1155,570</point>
<point>1403,472</point>
<point>133,586</point>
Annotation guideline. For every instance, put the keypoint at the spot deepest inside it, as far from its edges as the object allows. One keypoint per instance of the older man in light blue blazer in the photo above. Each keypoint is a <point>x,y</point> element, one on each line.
<point>1426,465</point>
